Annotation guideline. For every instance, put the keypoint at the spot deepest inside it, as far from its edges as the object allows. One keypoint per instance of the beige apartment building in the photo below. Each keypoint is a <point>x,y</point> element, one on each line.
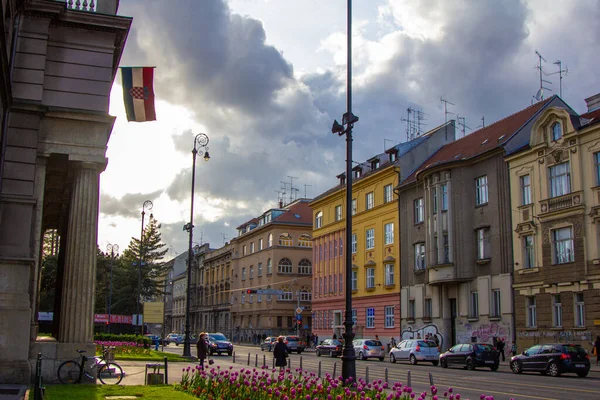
<point>555,192</point>
<point>213,294</point>
<point>272,251</point>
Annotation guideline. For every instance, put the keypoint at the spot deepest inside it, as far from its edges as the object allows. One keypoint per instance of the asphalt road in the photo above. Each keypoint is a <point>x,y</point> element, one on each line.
<point>502,384</point>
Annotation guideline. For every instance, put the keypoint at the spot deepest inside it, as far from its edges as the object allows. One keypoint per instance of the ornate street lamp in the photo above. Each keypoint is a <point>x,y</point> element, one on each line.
<point>348,120</point>
<point>200,146</point>
<point>112,249</point>
<point>146,206</point>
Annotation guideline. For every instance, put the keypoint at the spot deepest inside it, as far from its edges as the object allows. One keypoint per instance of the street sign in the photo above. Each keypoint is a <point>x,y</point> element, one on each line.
<point>269,291</point>
<point>299,310</point>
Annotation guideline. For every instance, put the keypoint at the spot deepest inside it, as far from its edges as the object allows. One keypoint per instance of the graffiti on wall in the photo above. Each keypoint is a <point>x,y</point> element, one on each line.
<point>484,333</point>
<point>558,336</point>
<point>420,333</point>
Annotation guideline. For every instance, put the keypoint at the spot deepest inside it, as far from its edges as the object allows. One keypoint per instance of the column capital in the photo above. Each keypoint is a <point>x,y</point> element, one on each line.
<point>89,165</point>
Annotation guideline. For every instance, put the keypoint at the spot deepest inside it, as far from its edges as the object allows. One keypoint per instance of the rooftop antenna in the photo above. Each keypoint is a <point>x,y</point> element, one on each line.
<point>292,187</point>
<point>387,140</point>
<point>222,234</point>
<point>283,190</point>
<point>278,196</point>
<point>540,93</point>
<point>420,118</point>
<point>446,112</point>
<point>305,186</point>
<point>560,74</point>
<point>482,123</point>
<point>462,123</point>
<point>408,123</point>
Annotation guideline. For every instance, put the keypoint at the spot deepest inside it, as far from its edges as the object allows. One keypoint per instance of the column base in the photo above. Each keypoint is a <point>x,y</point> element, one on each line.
<point>54,354</point>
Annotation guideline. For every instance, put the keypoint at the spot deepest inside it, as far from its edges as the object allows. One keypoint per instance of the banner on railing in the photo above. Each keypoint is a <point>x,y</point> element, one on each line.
<point>114,319</point>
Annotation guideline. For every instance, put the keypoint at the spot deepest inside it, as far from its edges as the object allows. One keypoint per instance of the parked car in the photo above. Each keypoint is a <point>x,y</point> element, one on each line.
<point>269,343</point>
<point>174,338</point>
<point>552,359</point>
<point>218,343</point>
<point>293,343</point>
<point>333,347</point>
<point>369,348</point>
<point>415,350</point>
<point>471,355</point>
<point>156,340</point>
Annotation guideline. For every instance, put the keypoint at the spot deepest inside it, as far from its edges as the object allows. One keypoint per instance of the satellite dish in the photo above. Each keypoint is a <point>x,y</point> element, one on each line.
<point>539,95</point>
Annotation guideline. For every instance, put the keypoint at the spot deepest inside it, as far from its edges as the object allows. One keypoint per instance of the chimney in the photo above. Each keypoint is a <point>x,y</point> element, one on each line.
<point>593,103</point>
<point>280,204</point>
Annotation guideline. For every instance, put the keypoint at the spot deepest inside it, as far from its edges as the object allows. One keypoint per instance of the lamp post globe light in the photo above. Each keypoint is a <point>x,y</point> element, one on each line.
<point>200,147</point>
<point>146,206</point>
<point>348,121</point>
<point>113,249</point>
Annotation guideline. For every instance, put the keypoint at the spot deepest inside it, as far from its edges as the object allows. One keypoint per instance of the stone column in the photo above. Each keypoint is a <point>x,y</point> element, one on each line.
<point>77,304</point>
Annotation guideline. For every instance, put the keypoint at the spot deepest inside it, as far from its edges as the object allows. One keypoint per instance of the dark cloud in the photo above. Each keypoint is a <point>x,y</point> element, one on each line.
<point>129,206</point>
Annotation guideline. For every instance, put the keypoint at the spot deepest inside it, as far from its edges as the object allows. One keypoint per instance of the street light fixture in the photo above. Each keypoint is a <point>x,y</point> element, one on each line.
<point>348,120</point>
<point>146,206</point>
<point>200,146</point>
<point>112,249</point>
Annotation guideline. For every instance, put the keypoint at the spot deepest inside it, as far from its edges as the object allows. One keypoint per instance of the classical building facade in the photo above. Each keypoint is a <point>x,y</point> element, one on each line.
<point>58,68</point>
<point>273,252</point>
<point>555,192</point>
<point>375,249</point>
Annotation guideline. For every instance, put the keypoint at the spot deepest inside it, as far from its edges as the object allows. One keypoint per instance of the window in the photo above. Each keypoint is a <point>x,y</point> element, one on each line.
<point>269,296</point>
<point>321,252</point>
<point>244,273</point>
<point>419,210</point>
<point>446,248</point>
<point>270,240</point>
<point>369,201</point>
<point>335,247</point>
<point>496,310</point>
<point>597,167</point>
<point>290,321</point>
<point>354,279</point>
<point>305,267</point>
<point>389,233</point>
<point>285,266</point>
<point>419,256</point>
<point>389,316</point>
<point>428,308</point>
<point>374,164</point>
<point>305,294</point>
<point>334,283</point>
<point>354,243</point>
<point>357,173</point>
<point>370,318</point>
<point>260,244</point>
<point>340,283</point>
<point>319,220</point>
<point>251,299</point>
<point>474,305</point>
<point>393,157</point>
<point>562,246</point>
<point>556,131</point>
<point>528,251</point>
<point>531,312</point>
<point>483,251</point>
<point>444,190</point>
<point>370,278</point>
<point>579,311</point>
<point>560,180</point>
<point>244,250</point>
<point>330,284</point>
<point>251,272</point>
<point>354,316</point>
<point>269,267</point>
<point>243,298</point>
<point>525,189</point>
<point>412,309</point>
<point>338,213</point>
<point>321,286</point>
<point>556,311</point>
<point>287,293</point>
<point>481,190</point>
<point>389,274</point>
<point>434,199</point>
<point>388,194</point>
<point>353,206</point>
<point>304,241</point>
<point>370,238</point>
<point>259,297</point>
<point>285,239</point>
<point>325,287</point>
<point>280,322</point>
<point>251,247</point>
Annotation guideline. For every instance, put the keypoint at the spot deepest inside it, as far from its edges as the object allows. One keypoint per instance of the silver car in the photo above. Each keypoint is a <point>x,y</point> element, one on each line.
<point>415,350</point>
<point>369,348</point>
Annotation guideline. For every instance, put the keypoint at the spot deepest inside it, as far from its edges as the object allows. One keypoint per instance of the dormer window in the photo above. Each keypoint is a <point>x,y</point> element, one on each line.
<point>342,178</point>
<point>357,173</point>
<point>556,131</point>
<point>392,157</point>
<point>374,164</point>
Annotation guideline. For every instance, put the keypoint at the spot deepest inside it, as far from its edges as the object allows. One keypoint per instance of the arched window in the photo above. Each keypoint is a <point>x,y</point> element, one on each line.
<point>285,239</point>
<point>305,267</point>
<point>305,294</point>
<point>305,241</point>
<point>285,266</point>
<point>556,131</point>
<point>270,240</point>
<point>319,219</point>
<point>269,267</point>
<point>287,293</point>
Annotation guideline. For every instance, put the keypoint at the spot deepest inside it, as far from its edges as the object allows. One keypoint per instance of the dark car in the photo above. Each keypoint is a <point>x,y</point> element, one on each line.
<point>218,343</point>
<point>155,339</point>
<point>333,347</point>
<point>552,359</point>
<point>293,343</point>
<point>174,338</point>
<point>268,344</point>
<point>471,356</point>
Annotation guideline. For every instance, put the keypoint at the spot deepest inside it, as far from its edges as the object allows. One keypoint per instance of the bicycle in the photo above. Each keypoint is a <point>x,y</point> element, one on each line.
<point>109,372</point>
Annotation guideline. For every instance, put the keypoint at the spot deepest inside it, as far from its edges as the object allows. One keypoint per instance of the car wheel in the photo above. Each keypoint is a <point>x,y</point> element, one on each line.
<point>582,374</point>
<point>516,367</point>
<point>332,354</point>
<point>435,363</point>
<point>495,367</point>
<point>318,353</point>
<point>381,358</point>
<point>553,369</point>
<point>470,365</point>
<point>392,358</point>
<point>444,363</point>
<point>361,356</point>
<point>229,353</point>
<point>413,359</point>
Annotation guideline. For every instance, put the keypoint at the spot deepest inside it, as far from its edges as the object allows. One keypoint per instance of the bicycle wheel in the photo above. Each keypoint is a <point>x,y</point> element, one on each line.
<point>69,372</point>
<point>110,374</point>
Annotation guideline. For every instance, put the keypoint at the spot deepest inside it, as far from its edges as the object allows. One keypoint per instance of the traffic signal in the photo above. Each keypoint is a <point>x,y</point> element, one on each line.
<point>251,291</point>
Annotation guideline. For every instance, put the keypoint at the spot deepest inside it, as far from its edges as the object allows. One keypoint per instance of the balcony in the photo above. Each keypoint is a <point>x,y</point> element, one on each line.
<point>441,273</point>
<point>561,203</point>
<point>96,6</point>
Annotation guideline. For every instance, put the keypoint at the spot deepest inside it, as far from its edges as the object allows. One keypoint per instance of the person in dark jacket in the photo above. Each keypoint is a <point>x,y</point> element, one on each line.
<point>280,353</point>
<point>597,348</point>
<point>202,347</point>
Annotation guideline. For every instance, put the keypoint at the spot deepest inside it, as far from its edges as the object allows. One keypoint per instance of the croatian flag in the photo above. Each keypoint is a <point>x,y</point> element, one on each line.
<point>138,93</point>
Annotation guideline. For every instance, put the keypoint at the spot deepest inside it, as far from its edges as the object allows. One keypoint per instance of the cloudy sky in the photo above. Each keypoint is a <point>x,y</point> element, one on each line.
<point>264,79</point>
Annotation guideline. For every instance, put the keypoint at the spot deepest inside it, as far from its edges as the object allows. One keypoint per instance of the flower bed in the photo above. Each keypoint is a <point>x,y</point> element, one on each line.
<point>264,383</point>
<point>123,348</point>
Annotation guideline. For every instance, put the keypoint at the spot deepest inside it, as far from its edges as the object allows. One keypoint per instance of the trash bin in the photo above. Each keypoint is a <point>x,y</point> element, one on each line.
<point>155,377</point>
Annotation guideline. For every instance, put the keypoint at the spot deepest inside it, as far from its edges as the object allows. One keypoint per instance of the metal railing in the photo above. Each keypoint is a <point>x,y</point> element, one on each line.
<point>99,6</point>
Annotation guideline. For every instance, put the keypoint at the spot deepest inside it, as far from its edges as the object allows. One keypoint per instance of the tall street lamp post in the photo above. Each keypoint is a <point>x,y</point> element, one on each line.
<point>345,128</point>
<point>200,146</point>
<point>112,249</point>
<point>146,206</point>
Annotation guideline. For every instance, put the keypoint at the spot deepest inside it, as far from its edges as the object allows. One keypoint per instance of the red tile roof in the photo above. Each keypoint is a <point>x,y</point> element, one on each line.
<point>299,213</point>
<point>480,141</point>
<point>593,116</point>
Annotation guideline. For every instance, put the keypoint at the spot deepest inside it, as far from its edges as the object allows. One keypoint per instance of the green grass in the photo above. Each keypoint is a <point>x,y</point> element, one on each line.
<point>99,392</point>
<point>153,356</point>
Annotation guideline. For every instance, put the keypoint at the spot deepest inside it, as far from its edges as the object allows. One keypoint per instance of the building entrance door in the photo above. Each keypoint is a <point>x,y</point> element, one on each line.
<point>453,321</point>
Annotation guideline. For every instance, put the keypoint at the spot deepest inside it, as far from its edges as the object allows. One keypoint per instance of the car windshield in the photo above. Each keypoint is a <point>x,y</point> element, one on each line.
<point>483,347</point>
<point>292,339</point>
<point>218,336</point>
<point>336,343</point>
<point>427,343</point>
<point>373,343</point>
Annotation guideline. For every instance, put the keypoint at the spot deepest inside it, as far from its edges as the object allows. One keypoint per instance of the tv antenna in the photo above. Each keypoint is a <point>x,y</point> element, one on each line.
<point>482,122</point>
<point>413,121</point>
<point>446,112</point>
<point>279,198</point>
<point>540,93</point>
<point>292,188</point>
<point>560,74</point>
<point>224,236</point>
<point>387,140</point>
<point>462,123</point>
<point>305,186</point>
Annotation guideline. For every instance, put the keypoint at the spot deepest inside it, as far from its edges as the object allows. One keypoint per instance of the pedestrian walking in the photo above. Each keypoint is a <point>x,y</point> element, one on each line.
<point>308,340</point>
<point>500,345</point>
<point>392,342</point>
<point>334,335</point>
<point>280,353</point>
<point>597,349</point>
<point>202,349</point>
<point>316,340</point>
